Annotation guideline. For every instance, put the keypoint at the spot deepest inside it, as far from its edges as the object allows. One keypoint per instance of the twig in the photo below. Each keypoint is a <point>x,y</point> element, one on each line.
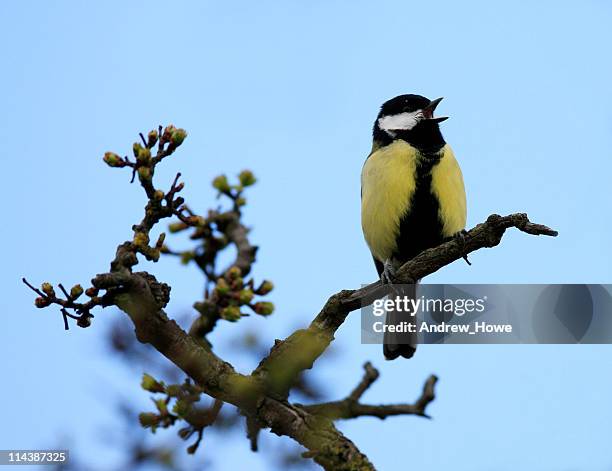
<point>351,408</point>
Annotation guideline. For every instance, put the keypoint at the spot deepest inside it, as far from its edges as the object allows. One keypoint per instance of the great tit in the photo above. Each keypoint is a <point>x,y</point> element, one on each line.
<point>412,198</point>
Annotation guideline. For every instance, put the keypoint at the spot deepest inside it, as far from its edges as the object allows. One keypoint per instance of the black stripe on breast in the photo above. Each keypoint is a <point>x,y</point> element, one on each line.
<point>420,227</point>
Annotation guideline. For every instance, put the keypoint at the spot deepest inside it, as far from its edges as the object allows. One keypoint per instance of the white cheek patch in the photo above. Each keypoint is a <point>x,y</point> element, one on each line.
<point>400,122</point>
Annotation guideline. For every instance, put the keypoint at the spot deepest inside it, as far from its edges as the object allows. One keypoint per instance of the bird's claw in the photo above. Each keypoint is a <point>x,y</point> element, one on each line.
<point>460,238</point>
<point>387,277</point>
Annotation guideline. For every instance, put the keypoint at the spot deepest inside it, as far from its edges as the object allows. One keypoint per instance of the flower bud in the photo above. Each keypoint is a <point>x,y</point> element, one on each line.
<point>136,147</point>
<point>231,313</point>
<point>222,287</point>
<point>84,321</point>
<point>178,136</point>
<point>167,134</point>
<point>245,296</point>
<point>113,160</point>
<point>233,273</point>
<point>47,288</point>
<point>152,138</point>
<point>161,405</point>
<point>148,419</point>
<point>149,383</point>
<point>220,183</point>
<point>92,292</point>
<point>158,195</point>
<point>247,178</point>
<point>181,408</point>
<point>143,154</point>
<point>265,287</point>
<point>263,308</point>
<point>76,291</point>
<point>41,302</point>
<point>144,173</point>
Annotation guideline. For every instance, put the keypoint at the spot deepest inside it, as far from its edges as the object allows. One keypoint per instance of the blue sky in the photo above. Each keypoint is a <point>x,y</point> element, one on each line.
<point>290,90</point>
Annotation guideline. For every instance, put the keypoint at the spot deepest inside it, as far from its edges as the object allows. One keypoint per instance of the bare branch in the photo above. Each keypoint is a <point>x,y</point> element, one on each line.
<point>351,408</point>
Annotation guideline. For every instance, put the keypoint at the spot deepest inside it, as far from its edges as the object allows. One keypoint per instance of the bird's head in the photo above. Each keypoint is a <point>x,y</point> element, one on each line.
<point>410,118</point>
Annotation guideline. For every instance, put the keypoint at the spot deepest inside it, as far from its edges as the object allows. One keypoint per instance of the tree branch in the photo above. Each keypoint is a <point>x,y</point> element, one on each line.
<point>261,396</point>
<point>351,408</point>
<point>298,352</point>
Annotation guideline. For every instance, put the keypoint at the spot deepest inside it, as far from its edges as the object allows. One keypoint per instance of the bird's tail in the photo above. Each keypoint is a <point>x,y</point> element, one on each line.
<point>396,344</point>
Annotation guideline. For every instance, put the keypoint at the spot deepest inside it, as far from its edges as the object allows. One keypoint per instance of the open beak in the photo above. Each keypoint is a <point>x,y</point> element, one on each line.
<point>428,111</point>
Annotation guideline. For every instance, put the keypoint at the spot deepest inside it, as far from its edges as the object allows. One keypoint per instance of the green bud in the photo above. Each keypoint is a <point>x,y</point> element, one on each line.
<point>152,138</point>
<point>265,287</point>
<point>247,178</point>
<point>181,408</point>
<point>47,288</point>
<point>167,134</point>
<point>41,302</point>
<point>136,148</point>
<point>178,136</point>
<point>144,173</point>
<point>76,291</point>
<point>245,296</point>
<point>158,195</point>
<point>220,183</point>
<point>231,313</point>
<point>161,405</point>
<point>241,201</point>
<point>222,287</point>
<point>113,160</point>
<point>263,308</point>
<point>149,419</point>
<point>233,273</point>
<point>149,383</point>
<point>144,155</point>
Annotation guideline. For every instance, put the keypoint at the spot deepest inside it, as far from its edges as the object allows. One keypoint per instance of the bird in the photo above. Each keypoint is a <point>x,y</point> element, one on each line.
<point>412,198</point>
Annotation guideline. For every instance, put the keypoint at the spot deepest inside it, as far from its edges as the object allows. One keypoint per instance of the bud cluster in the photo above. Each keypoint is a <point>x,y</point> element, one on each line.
<point>178,405</point>
<point>231,293</point>
<point>234,191</point>
<point>47,296</point>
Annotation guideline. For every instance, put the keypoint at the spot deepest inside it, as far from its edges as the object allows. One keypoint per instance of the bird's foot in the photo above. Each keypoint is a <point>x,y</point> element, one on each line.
<point>460,238</point>
<point>387,276</point>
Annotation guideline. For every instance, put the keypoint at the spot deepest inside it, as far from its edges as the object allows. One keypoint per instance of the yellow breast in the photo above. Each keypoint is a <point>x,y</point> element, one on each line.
<point>387,184</point>
<point>447,186</point>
